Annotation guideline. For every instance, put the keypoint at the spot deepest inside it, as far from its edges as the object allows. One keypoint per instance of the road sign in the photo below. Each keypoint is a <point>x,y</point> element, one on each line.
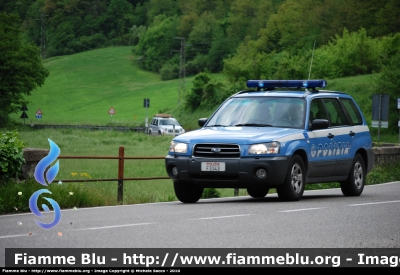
<point>24,108</point>
<point>380,110</point>
<point>24,115</point>
<point>38,116</point>
<point>111,111</point>
<point>146,102</point>
<point>39,112</point>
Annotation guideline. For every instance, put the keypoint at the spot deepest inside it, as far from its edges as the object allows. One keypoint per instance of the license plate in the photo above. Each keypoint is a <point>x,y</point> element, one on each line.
<point>213,166</point>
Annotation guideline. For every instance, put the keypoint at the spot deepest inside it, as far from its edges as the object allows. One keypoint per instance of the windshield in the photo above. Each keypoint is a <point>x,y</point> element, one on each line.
<point>264,112</point>
<point>168,121</point>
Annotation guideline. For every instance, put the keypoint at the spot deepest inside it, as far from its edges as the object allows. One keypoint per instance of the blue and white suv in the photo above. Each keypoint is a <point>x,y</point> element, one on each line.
<point>281,134</point>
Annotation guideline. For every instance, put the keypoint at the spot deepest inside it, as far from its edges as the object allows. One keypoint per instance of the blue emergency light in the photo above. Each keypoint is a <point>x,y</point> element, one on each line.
<point>268,84</point>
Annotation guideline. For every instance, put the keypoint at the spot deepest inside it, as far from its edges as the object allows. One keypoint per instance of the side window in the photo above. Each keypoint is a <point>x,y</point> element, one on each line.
<point>317,109</point>
<point>352,110</point>
<point>335,112</point>
<point>155,122</point>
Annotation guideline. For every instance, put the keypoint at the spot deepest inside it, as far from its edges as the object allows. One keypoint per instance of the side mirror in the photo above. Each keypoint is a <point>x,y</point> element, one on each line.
<point>202,121</point>
<point>317,124</point>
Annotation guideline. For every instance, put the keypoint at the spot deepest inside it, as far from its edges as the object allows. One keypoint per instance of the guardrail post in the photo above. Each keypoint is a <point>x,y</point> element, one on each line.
<point>121,175</point>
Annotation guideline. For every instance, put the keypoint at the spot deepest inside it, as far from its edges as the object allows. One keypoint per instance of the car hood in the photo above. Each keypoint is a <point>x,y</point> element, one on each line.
<point>171,126</point>
<point>239,135</point>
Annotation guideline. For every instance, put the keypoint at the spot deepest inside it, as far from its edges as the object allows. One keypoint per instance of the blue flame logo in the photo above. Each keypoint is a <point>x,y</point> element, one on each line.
<point>46,161</point>
<point>50,175</point>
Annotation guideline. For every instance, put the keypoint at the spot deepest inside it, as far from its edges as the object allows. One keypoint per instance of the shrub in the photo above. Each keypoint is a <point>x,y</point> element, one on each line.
<point>169,71</point>
<point>11,155</point>
<point>210,193</point>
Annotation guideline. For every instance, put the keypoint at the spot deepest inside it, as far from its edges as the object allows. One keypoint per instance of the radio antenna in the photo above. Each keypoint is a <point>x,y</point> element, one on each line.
<point>312,57</point>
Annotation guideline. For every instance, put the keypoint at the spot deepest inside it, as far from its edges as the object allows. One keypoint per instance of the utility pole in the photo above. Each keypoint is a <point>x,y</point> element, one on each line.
<point>182,70</point>
<point>42,35</point>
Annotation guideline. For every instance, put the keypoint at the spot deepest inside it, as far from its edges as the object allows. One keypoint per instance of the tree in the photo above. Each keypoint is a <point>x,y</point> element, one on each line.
<point>21,68</point>
<point>388,82</point>
<point>155,45</point>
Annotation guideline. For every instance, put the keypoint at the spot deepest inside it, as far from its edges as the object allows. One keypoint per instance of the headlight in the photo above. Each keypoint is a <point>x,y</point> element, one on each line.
<point>264,148</point>
<point>178,147</point>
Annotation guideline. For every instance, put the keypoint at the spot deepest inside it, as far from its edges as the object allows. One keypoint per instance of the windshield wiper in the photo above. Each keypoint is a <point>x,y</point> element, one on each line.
<point>217,125</point>
<point>255,124</point>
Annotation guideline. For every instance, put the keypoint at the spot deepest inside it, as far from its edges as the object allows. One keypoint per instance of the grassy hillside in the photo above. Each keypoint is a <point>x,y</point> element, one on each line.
<point>81,89</point>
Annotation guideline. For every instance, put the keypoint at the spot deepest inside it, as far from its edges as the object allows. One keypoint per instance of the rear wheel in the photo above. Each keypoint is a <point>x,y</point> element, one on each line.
<point>187,192</point>
<point>292,188</point>
<point>354,185</point>
<point>257,192</point>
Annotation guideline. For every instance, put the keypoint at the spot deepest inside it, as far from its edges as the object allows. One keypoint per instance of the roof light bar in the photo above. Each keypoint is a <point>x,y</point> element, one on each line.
<point>321,83</point>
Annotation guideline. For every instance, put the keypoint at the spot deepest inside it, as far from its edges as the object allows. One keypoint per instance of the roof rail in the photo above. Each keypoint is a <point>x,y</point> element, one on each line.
<point>163,115</point>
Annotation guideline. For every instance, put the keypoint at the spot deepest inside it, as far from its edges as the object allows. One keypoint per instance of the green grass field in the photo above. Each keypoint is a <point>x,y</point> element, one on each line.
<point>81,89</point>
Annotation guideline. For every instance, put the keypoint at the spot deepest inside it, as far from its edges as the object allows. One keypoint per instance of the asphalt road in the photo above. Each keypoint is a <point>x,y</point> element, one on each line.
<point>322,219</point>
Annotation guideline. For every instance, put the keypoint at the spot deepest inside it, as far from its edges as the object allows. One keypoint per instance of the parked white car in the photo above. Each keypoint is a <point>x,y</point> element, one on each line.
<point>164,124</point>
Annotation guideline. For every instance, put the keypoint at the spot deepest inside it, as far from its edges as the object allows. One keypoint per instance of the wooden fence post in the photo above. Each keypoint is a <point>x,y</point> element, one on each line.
<point>121,175</point>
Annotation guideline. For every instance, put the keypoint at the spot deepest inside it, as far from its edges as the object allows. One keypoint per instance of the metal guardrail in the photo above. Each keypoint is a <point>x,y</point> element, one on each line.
<point>89,127</point>
<point>121,158</point>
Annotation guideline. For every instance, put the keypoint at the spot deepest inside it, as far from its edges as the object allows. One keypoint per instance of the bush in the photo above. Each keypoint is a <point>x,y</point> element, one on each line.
<point>11,155</point>
<point>169,71</point>
<point>4,118</point>
<point>210,193</point>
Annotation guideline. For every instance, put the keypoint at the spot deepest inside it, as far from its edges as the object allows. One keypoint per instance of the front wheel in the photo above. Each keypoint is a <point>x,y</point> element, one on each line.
<point>187,192</point>
<point>257,192</point>
<point>354,185</point>
<point>292,188</point>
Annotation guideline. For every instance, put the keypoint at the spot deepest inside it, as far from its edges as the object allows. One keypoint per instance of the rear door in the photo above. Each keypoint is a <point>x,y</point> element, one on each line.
<point>322,160</point>
<point>343,136</point>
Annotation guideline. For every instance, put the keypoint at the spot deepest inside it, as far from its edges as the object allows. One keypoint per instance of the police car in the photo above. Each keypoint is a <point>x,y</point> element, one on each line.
<point>279,134</point>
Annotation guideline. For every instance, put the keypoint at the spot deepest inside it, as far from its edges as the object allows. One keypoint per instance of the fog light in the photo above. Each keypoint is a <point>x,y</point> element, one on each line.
<point>261,173</point>
<point>174,171</point>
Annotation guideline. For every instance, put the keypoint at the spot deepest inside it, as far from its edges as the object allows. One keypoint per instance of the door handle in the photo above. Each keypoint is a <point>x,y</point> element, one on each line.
<point>330,135</point>
<point>352,133</point>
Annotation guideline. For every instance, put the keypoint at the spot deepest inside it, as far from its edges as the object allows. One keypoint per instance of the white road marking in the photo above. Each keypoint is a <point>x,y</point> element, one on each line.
<point>223,217</point>
<point>13,236</point>
<point>111,226</point>
<point>305,209</point>
<point>380,202</point>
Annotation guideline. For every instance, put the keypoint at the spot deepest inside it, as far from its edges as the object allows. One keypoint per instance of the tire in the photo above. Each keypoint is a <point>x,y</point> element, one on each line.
<point>354,185</point>
<point>292,188</point>
<point>257,193</point>
<point>149,132</point>
<point>187,192</point>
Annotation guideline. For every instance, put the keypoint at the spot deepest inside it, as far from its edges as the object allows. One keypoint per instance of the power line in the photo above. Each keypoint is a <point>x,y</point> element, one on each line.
<point>182,69</point>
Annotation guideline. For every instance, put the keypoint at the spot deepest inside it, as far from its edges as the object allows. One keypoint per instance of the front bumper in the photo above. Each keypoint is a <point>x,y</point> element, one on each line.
<point>239,173</point>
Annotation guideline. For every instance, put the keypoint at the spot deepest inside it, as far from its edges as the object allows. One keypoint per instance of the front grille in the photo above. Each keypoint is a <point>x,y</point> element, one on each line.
<point>216,151</point>
<point>170,131</point>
